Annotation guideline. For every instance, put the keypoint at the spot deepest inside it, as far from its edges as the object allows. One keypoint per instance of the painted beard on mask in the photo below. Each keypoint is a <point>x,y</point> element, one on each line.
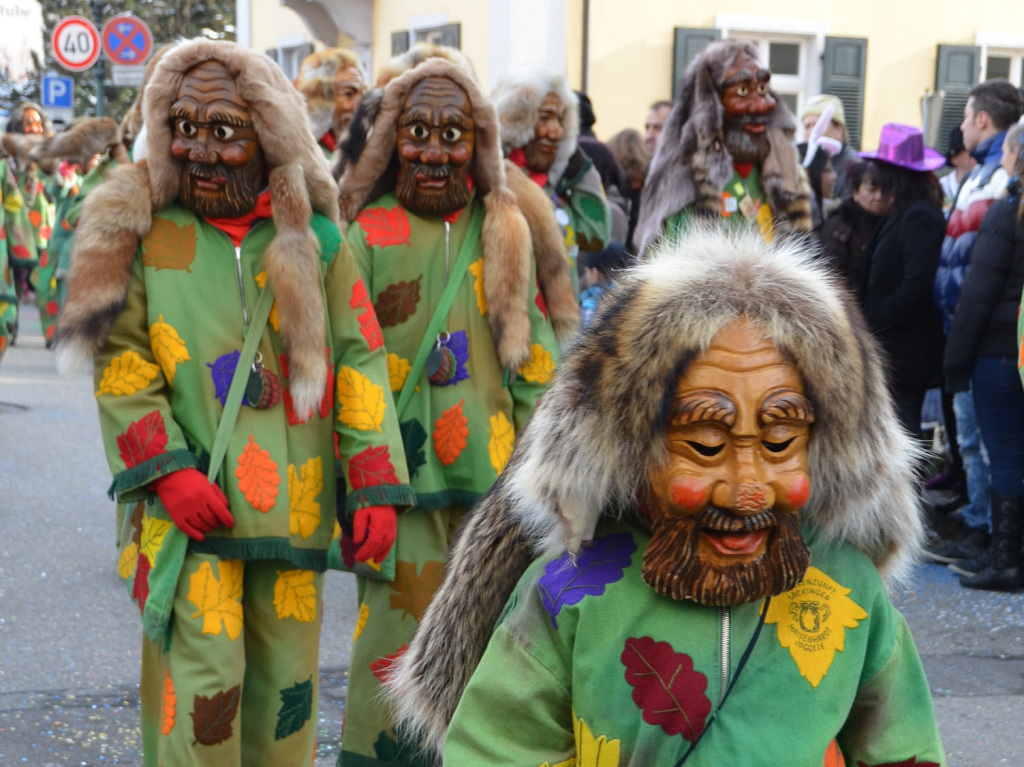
<point>236,192</point>
<point>675,567</point>
<point>432,190</point>
<point>744,146</point>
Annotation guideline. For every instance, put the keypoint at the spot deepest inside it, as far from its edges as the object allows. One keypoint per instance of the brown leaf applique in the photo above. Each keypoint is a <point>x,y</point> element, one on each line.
<point>415,591</point>
<point>398,302</point>
<point>169,246</point>
<point>212,717</point>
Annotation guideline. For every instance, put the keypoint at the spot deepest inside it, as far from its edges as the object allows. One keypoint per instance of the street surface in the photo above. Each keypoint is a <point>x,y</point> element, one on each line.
<point>70,639</point>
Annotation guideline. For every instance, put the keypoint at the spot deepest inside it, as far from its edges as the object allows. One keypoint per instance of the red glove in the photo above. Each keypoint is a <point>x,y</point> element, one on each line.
<point>373,530</point>
<point>195,505</point>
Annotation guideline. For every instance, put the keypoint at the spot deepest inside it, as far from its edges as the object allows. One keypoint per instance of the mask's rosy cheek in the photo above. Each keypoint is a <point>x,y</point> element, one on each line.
<point>690,495</point>
<point>797,490</point>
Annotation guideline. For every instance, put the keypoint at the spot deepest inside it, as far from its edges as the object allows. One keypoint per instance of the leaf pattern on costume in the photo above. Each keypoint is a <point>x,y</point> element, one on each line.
<point>591,751</point>
<point>368,324</point>
<point>35,218</point>
<point>257,476</point>
<point>364,615</point>
<point>388,749</point>
<point>361,402</point>
<point>212,717</point>
<point>477,270</point>
<point>274,318</point>
<point>540,368</point>
<point>666,688</point>
<point>834,756</point>
<point>126,374</point>
<point>154,531</point>
<point>140,588</point>
<point>326,402</point>
<point>142,440</point>
<point>168,348</point>
<point>600,563</point>
<point>296,709</point>
<point>169,246</point>
<point>503,439</point>
<point>398,370</point>
<point>414,437</point>
<point>127,560</point>
<point>372,467</point>
<point>295,595</point>
<point>415,591</point>
<point>381,667</point>
<point>222,370</point>
<point>911,762</point>
<point>168,705</point>
<point>590,207</point>
<point>451,432</point>
<point>304,485</point>
<point>219,600</point>
<point>385,226</point>
<point>398,302</point>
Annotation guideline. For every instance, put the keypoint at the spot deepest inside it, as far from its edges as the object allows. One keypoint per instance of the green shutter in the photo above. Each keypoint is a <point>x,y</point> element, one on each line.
<point>451,35</point>
<point>843,75</point>
<point>956,72</point>
<point>399,42</point>
<point>687,43</point>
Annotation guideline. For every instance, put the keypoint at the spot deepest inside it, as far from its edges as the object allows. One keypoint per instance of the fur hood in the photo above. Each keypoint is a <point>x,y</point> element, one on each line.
<point>585,451</point>
<point>14,120</point>
<point>119,213</point>
<point>315,82</point>
<point>692,166</point>
<point>131,123</point>
<point>518,221</point>
<point>517,98</point>
<point>82,140</point>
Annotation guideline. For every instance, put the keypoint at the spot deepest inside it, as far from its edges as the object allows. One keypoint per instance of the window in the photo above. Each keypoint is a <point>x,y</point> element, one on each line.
<point>787,58</point>
<point>1003,63</point>
<point>289,55</point>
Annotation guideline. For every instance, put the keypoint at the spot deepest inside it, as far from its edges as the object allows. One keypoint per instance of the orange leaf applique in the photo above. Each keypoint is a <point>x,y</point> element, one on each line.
<point>169,246</point>
<point>368,324</point>
<point>35,218</point>
<point>170,705</point>
<point>257,476</point>
<point>450,433</point>
<point>385,226</point>
<point>415,591</point>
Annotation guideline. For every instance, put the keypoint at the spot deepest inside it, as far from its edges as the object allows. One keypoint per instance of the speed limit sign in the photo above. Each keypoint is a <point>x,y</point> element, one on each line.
<point>76,43</point>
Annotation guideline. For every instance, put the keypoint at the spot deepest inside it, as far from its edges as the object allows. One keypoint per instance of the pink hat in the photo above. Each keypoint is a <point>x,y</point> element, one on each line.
<point>903,146</point>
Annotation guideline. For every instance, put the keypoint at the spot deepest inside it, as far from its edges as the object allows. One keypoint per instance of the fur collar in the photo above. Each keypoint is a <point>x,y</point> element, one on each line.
<point>119,212</point>
<point>82,139</point>
<point>582,453</point>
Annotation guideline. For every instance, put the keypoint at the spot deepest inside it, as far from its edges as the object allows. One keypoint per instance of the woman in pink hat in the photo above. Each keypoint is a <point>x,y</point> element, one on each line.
<point>903,256</point>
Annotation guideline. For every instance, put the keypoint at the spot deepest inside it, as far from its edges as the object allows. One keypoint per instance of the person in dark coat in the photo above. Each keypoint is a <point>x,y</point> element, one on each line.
<point>982,357</point>
<point>904,254</point>
<point>848,231</point>
<point>612,177</point>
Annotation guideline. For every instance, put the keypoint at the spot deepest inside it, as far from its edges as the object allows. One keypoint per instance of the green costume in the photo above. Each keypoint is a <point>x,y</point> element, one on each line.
<point>581,207</point>
<point>744,203</point>
<point>593,665</point>
<point>19,246</point>
<point>39,212</point>
<point>64,191</point>
<point>458,435</point>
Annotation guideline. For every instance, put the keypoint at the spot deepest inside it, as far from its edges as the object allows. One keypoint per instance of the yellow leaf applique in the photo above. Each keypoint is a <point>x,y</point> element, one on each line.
<point>361,401</point>
<point>257,476</point>
<point>766,223</point>
<point>295,595</point>
<point>591,751</point>
<point>540,367</point>
<point>153,533</point>
<point>477,270</point>
<point>219,601</point>
<point>304,485</point>
<point>503,438</point>
<point>812,619</point>
<point>398,371</point>
<point>127,561</point>
<point>571,762</point>
<point>274,319</point>
<point>126,374</point>
<point>364,615</point>
<point>168,347</point>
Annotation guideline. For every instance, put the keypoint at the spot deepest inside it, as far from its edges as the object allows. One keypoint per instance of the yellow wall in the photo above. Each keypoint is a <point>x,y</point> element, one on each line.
<point>272,22</point>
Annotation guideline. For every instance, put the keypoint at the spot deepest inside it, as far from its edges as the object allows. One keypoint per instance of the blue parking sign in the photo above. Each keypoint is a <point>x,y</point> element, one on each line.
<point>58,92</point>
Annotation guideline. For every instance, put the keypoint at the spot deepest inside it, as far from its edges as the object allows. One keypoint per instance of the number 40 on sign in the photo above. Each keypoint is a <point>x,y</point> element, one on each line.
<point>75,43</point>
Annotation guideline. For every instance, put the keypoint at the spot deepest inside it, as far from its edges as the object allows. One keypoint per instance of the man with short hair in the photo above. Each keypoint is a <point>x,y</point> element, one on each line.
<point>992,107</point>
<point>657,113</point>
<point>836,129</point>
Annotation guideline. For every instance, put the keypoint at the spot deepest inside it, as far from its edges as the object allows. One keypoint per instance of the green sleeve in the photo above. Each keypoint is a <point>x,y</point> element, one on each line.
<point>361,376</point>
<point>591,215</point>
<point>141,438</point>
<point>536,375</point>
<point>21,240</point>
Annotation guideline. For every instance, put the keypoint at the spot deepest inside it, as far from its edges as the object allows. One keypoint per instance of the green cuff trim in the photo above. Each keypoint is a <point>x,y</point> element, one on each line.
<point>350,759</point>
<point>261,548</point>
<point>446,499</point>
<point>133,484</point>
<point>380,495</point>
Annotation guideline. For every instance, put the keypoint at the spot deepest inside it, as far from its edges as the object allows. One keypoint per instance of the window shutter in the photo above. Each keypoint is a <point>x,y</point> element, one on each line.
<point>272,52</point>
<point>686,44</point>
<point>451,35</point>
<point>843,75</point>
<point>399,42</point>
<point>956,72</point>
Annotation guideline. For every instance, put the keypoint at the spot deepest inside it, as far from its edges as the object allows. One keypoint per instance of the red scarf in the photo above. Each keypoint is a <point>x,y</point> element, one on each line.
<point>236,228</point>
<point>518,156</point>
<point>327,142</point>
<point>743,168</point>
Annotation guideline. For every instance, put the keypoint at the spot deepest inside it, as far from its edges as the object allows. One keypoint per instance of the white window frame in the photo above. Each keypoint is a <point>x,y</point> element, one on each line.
<point>288,49</point>
<point>1007,46</point>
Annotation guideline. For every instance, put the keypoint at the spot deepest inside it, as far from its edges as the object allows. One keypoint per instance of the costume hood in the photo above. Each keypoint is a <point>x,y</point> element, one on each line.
<point>517,98</point>
<point>692,166</point>
<point>587,448</point>
<point>518,221</point>
<point>14,120</point>
<point>118,214</point>
<point>315,82</point>
<point>82,140</point>
<point>131,123</point>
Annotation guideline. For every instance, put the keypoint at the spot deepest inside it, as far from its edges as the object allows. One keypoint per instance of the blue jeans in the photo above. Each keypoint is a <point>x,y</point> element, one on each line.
<point>977,512</point>
<point>999,404</point>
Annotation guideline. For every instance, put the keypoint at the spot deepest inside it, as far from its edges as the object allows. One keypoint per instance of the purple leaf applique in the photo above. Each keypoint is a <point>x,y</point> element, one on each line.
<point>600,563</point>
<point>223,371</point>
<point>459,345</point>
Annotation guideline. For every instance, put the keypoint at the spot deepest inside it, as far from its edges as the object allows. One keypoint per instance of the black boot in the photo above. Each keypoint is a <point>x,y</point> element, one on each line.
<point>1003,573</point>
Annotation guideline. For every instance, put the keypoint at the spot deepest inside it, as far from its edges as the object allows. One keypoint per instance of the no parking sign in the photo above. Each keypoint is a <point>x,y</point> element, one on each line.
<point>127,40</point>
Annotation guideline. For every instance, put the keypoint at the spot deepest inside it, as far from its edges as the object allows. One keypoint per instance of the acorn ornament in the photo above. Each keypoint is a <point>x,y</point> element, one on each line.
<point>263,389</point>
<point>441,362</point>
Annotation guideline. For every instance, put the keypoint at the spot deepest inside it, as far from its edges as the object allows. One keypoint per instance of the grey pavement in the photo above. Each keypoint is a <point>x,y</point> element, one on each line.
<point>70,639</point>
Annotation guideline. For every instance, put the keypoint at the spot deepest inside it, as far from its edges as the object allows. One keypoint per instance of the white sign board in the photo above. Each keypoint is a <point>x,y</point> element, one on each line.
<point>21,35</point>
<point>131,76</point>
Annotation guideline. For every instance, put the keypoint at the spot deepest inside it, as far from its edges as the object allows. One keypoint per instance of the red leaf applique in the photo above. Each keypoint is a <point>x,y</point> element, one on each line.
<point>372,467</point>
<point>385,226</point>
<point>326,402</point>
<point>142,440</point>
<point>382,666</point>
<point>368,324</point>
<point>140,588</point>
<point>541,303</point>
<point>665,687</point>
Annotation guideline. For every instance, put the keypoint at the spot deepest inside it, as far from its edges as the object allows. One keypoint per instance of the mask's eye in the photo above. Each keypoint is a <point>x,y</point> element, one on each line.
<point>451,135</point>
<point>223,132</point>
<point>185,127</point>
<point>708,451</point>
<point>777,447</point>
<point>742,91</point>
<point>762,89</point>
<point>419,132</point>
